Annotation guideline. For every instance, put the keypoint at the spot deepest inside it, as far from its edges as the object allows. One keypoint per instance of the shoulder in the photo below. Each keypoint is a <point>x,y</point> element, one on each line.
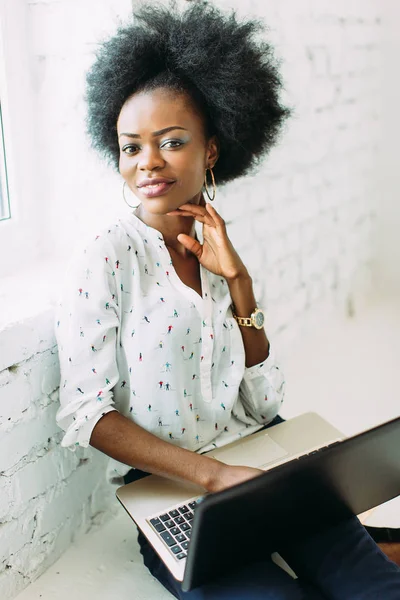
<point>110,239</point>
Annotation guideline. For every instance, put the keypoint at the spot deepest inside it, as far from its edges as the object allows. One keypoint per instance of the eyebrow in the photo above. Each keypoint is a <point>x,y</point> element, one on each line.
<point>155,133</point>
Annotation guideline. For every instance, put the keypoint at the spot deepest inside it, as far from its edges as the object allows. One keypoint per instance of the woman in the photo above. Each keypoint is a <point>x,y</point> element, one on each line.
<point>162,350</point>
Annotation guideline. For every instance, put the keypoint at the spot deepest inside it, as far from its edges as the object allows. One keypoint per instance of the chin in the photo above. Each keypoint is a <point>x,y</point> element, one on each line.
<point>159,205</point>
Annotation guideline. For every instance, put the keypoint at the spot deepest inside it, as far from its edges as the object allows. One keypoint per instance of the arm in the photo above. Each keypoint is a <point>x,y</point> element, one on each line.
<point>123,440</point>
<point>86,326</point>
<point>263,386</point>
<point>255,341</point>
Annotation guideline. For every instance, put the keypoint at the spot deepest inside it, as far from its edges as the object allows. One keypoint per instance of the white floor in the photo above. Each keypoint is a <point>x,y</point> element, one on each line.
<point>347,371</point>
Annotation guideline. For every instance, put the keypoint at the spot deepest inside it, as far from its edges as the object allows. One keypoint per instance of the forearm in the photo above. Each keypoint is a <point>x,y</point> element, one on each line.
<point>123,440</point>
<point>255,340</point>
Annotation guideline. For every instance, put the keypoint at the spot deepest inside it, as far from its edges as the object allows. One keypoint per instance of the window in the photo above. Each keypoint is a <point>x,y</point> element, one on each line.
<point>4,195</point>
<point>21,223</point>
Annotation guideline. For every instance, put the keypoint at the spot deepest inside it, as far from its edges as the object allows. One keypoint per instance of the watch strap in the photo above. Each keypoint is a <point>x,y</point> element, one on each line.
<point>245,321</point>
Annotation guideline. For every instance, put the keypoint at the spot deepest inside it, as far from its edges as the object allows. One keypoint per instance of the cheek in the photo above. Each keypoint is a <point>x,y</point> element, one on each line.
<point>124,164</point>
<point>191,168</point>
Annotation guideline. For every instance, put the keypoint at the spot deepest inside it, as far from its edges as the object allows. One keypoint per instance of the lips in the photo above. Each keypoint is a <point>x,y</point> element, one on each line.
<point>156,189</point>
<point>154,181</point>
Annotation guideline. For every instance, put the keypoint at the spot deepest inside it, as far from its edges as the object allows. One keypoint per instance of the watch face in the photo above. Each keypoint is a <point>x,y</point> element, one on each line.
<point>259,319</point>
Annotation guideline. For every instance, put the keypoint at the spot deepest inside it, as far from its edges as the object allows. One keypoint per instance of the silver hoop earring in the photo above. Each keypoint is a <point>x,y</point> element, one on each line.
<point>123,194</point>
<point>214,186</point>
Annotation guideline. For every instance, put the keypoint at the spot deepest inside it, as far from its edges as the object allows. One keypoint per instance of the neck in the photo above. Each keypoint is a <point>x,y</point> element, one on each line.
<point>170,227</point>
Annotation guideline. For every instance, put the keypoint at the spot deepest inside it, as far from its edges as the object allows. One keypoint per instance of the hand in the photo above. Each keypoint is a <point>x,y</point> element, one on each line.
<point>229,476</point>
<point>217,253</point>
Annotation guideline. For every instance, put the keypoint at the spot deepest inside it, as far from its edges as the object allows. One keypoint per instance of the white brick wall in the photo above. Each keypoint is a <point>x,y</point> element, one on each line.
<point>48,495</point>
<point>304,226</point>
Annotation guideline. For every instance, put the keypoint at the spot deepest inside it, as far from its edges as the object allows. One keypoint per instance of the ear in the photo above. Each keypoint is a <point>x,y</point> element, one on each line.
<point>212,151</point>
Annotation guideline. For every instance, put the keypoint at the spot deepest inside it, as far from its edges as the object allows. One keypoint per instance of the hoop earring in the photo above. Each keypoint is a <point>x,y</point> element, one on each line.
<point>214,186</point>
<point>123,194</point>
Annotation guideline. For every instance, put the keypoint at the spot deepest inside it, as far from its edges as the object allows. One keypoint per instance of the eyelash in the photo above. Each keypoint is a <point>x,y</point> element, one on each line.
<point>180,143</point>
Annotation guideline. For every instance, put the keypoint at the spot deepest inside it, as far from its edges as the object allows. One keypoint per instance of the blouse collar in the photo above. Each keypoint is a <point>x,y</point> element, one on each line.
<point>149,232</point>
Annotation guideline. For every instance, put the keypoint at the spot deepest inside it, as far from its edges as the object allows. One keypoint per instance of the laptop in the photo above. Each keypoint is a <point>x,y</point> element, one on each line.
<point>314,477</point>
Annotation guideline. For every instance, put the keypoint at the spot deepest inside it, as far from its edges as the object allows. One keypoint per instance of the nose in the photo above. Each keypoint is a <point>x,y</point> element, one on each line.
<point>150,158</point>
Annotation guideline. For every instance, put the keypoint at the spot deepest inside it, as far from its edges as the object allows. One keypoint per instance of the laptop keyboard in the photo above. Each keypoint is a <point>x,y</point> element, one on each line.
<point>175,527</point>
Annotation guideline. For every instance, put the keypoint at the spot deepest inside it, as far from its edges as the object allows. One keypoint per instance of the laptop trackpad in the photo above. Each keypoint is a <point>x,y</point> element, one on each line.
<point>251,453</point>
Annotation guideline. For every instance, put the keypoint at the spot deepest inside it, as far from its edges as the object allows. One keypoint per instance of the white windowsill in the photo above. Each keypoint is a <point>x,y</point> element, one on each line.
<point>30,292</point>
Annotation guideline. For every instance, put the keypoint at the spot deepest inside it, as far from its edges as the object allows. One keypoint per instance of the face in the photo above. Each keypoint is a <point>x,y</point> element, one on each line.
<point>161,136</point>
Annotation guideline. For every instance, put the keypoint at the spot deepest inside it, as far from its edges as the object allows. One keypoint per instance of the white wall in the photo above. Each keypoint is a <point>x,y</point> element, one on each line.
<point>387,262</point>
<point>306,226</point>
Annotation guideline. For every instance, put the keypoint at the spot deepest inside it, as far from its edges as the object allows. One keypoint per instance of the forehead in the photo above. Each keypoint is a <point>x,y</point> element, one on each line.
<point>145,112</point>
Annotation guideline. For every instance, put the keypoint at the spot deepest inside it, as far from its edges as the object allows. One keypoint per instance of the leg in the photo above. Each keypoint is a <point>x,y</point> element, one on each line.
<point>388,540</point>
<point>260,581</point>
<point>345,563</point>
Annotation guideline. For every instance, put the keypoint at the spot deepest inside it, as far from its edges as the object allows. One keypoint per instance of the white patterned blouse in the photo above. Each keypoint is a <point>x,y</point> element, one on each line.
<point>133,337</point>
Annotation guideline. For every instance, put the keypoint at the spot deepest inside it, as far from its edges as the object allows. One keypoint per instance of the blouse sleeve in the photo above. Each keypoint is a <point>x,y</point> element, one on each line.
<point>262,389</point>
<point>86,322</point>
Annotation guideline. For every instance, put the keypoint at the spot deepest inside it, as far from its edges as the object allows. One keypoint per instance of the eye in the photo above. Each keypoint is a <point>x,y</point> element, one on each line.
<point>177,142</point>
<point>129,149</point>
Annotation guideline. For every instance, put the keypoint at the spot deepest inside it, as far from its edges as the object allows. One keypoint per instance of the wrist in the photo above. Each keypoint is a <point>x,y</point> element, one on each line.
<point>241,277</point>
<point>211,473</point>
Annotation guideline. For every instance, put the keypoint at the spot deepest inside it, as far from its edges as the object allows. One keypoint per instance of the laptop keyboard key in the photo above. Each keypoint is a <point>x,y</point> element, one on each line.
<point>174,527</point>
<point>164,517</point>
<point>158,526</point>
<point>168,539</point>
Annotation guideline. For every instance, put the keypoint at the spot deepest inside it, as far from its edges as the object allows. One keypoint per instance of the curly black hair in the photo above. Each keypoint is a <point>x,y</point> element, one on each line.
<point>230,77</point>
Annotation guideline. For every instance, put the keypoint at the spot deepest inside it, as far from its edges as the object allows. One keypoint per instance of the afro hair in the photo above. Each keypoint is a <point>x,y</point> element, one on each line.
<point>230,77</point>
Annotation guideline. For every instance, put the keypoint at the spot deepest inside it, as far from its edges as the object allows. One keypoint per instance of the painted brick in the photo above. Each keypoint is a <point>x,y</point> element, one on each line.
<point>11,583</point>
<point>19,341</point>
<point>36,556</point>
<point>19,442</point>
<point>14,535</point>
<point>35,369</point>
<point>275,248</point>
<point>74,496</point>
<point>36,477</point>
<point>5,498</point>
<point>14,399</point>
<point>273,284</point>
<point>290,275</point>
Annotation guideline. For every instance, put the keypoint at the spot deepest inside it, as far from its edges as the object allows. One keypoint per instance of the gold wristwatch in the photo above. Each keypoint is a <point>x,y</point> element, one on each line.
<point>256,319</point>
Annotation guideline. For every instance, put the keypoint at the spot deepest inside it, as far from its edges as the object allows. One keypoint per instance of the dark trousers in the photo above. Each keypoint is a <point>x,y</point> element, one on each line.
<point>341,563</point>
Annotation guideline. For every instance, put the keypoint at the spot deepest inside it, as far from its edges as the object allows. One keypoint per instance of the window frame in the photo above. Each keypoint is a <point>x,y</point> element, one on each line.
<point>5,204</point>
<point>21,232</point>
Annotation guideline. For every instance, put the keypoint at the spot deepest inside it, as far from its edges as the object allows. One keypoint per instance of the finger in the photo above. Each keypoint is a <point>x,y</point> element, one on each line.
<point>194,209</point>
<point>191,244</point>
<point>215,216</point>
<point>201,218</point>
<point>198,211</point>
<point>180,213</point>
<point>202,200</point>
